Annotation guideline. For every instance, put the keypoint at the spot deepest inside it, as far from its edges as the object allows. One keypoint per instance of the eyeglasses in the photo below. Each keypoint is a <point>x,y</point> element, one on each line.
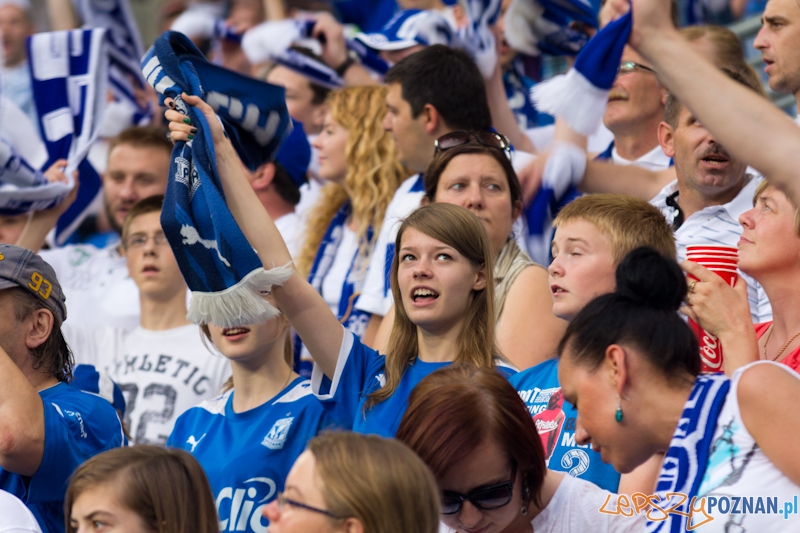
<point>626,67</point>
<point>486,498</point>
<point>486,138</point>
<point>138,240</point>
<point>284,501</point>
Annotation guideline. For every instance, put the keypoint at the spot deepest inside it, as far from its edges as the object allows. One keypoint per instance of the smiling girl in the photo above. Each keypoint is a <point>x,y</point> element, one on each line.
<point>438,274</point>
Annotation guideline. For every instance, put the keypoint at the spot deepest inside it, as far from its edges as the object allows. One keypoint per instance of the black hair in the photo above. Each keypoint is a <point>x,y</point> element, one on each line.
<point>641,313</point>
<point>448,80</point>
<point>285,186</point>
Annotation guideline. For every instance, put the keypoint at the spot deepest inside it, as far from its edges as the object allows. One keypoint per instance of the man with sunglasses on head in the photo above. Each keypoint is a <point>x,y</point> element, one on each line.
<point>163,367</point>
<point>435,92</point>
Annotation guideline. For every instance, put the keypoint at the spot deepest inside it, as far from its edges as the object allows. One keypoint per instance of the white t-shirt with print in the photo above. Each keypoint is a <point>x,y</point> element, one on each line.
<point>161,373</point>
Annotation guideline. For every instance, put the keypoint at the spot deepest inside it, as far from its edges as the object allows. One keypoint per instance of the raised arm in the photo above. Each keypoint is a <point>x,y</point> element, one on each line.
<point>308,313</point>
<point>41,222</point>
<point>751,128</point>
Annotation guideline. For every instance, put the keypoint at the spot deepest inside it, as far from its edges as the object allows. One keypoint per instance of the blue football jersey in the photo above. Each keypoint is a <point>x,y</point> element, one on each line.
<point>247,456</point>
<point>360,372</point>
<point>77,426</point>
<point>555,421</point>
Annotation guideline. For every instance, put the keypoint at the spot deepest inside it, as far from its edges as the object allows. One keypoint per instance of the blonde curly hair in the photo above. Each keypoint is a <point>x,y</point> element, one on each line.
<point>373,172</point>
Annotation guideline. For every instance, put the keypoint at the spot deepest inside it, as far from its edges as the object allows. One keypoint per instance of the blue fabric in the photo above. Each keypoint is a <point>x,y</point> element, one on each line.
<point>518,90</point>
<point>124,52</point>
<point>353,319</point>
<point>555,421</point>
<point>408,28</point>
<point>69,118</point>
<point>607,154</point>
<point>294,155</point>
<point>363,374</point>
<point>369,16</point>
<point>88,379</point>
<point>212,253</point>
<point>77,426</point>
<point>247,456</point>
<point>598,61</point>
<point>687,458</point>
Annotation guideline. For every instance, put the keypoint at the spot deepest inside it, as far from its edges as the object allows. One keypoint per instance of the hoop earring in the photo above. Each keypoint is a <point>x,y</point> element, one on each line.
<point>525,497</point>
<point>618,415</point>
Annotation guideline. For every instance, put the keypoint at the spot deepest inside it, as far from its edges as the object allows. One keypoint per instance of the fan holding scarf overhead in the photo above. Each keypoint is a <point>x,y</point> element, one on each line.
<point>221,268</point>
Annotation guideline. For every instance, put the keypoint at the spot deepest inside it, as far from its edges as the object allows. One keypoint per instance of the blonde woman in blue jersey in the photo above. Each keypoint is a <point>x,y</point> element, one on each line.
<point>439,276</point>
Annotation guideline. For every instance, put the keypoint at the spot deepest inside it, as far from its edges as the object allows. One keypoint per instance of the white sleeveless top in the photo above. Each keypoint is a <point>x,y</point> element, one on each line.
<point>748,488</point>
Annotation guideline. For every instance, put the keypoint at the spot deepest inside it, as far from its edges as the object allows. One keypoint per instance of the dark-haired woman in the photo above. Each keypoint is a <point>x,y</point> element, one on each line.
<point>629,364</point>
<point>476,435</point>
<point>480,177</point>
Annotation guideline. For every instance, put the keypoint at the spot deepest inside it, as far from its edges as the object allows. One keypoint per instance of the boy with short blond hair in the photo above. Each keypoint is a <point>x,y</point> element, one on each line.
<point>593,234</point>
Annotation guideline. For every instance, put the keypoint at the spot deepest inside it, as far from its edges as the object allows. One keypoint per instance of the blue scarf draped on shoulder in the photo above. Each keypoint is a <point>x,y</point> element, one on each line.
<point>221,268</point>
<point>686,460</point>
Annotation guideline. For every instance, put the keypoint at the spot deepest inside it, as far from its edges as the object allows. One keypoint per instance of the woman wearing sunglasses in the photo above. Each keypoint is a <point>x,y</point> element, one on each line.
<point>472,169</point>
<point>392,492</point>
<point>474,432</point>
<point>439,274</point>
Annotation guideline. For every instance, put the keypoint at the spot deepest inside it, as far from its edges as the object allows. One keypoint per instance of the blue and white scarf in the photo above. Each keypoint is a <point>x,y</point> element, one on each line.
<point>221,268</point>
<point>69,73</point>
<point>24,189</point>
<point>477,36</point>
<point>686,460</point>
<point>546,26</point>
<point>124,52</point>
<point>350,317</point>
<point>580,95</point>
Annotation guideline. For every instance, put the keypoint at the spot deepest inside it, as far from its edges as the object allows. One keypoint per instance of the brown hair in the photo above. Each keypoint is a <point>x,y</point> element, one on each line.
<point>459,228</point>
<point>143,137</point>
<point>442,159</point>
<point>373,172</point>
<point>393,491</point>
<point>455,410</point>
<point>761,189</point>
<point>167,488</point>
<point>54,356</point>
<point>627,222</point>
<point>151,204</point>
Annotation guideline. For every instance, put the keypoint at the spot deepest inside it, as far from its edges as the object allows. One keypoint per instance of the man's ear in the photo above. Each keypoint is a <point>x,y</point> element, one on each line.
<point>666,138</point>
<point>38,327</point>
<point>263,176</point>
<point>425,200</point>
<point>431,119</point>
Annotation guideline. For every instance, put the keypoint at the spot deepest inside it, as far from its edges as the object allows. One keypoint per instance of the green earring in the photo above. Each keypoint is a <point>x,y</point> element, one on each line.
<point>618,415</point>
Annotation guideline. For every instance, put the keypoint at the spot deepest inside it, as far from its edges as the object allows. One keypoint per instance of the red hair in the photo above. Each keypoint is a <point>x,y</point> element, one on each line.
<point>455,410</point>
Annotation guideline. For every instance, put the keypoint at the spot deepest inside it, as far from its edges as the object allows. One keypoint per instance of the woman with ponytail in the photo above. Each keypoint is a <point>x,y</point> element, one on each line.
<point>630,366</point>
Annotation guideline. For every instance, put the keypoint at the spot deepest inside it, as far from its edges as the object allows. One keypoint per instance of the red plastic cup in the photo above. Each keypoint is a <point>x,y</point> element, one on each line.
<point>721,260</point>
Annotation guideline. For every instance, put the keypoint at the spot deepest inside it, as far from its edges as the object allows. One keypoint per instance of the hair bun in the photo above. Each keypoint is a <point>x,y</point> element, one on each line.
<point>650,279</point>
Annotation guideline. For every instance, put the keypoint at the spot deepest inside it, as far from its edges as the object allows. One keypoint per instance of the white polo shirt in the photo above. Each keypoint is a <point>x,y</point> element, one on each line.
<point>718,225</point>
<point>654,160</point>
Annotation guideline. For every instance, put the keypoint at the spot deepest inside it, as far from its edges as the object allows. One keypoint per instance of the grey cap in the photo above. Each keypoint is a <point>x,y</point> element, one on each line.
<point>20,267</point>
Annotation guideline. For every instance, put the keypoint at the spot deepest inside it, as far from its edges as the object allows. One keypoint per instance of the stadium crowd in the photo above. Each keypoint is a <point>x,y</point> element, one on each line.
<point>473,266</point>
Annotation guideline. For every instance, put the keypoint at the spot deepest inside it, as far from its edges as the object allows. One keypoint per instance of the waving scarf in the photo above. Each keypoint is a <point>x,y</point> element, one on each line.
<point>220,267</point>
<point>687,457</point>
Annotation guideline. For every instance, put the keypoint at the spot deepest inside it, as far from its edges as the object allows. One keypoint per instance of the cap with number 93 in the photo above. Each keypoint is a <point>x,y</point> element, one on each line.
<point>22,268</point>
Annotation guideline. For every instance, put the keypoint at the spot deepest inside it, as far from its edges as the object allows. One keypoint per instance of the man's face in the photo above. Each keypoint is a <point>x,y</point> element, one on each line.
<point>414,145</point>
<point>299,98</point>
<point>11,227</point>
<point>779,43</point>
<point>12,340</point>
<point>636,96</point>
<point>151,263</point>
<point>700,161</point>
<point>133,173</point>
<point>15,28</point>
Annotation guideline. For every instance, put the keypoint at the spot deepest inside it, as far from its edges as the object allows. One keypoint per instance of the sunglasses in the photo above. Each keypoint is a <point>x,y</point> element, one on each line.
<point>485,498</point>
<point>626,67</point>
<point>486,138</point>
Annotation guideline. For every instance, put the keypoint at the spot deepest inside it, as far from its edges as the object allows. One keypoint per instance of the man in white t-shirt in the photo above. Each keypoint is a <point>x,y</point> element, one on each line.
<point>163,366</point>
<point>96,280</point>
<point>711,191</point>
<point>277,186</point>
<point>634,111</point>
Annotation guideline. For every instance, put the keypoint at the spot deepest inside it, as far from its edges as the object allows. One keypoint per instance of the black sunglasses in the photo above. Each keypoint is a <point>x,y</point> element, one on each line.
<point>485,498</point>
<point>486,138</point>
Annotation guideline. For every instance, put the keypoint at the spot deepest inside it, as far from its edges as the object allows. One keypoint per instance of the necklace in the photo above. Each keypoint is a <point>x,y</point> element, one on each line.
<point>786,345</point>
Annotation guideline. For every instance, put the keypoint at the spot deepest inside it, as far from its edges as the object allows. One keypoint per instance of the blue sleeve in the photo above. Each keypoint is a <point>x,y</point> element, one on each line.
<point>75,429</point>
<point>356,367</point>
